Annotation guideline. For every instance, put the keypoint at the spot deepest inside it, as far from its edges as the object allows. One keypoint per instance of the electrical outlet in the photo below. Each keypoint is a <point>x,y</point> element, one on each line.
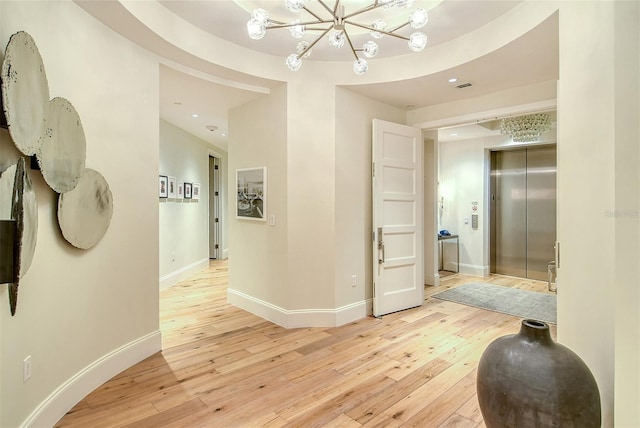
<point>26,368</point>
<point>354,280</point>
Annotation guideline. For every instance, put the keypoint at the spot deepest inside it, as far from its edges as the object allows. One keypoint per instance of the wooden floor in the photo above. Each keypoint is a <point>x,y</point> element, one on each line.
<point>223,367</point>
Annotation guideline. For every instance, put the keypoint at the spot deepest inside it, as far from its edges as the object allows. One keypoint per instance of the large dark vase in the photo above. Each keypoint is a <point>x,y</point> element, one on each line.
<point>528,380</point>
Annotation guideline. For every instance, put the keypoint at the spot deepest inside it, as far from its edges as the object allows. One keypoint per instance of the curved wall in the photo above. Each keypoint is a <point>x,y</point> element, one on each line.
<point>83,316</point>
<point>581,70</point>
<point>116,72</point>
<point>193,46</point>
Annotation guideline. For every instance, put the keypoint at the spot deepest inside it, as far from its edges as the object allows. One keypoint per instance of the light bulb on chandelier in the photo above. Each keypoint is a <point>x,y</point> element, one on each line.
<point>335,19</point>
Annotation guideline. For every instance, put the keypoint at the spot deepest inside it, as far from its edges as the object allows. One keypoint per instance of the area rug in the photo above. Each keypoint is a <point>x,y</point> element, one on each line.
<point>511,301</point>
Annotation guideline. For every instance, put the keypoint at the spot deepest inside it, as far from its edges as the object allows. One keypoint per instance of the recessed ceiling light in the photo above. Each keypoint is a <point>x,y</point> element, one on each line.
<point>223,134</point>
<point>453,80</point>
<point>212,127</point>
<point>194,115</point>
<point>454,134</point>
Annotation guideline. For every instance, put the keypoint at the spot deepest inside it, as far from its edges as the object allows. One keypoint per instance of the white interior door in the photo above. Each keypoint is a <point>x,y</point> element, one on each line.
<point>398,272</point>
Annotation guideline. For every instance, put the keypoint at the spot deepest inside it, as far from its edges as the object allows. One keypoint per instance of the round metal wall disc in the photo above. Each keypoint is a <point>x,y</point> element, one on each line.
<point>62,153</point>
<point>29,214</point>
<point>84,213</point>
<point>25,92</point>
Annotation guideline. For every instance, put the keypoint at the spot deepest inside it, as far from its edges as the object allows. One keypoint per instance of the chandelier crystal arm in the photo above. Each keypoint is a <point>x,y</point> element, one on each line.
<point>293,24</point>
<point>305,50</point>
<point>367,27</point>
<point>313,14</point>
<point>273,21</point>
<point>398,27</point>
<point>318,29</point>
<point>363,10</point>
<point>328,8</point>
<point>350,44</point>
<point>335,6</point>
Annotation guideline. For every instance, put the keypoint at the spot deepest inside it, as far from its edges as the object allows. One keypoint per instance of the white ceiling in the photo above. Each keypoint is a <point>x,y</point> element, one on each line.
<point>191,86</point>
<point>227,20</point>
<point>182,96</point>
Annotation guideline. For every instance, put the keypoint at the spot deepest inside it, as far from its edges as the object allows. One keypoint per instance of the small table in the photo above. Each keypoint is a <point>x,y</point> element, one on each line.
<point>441,240</point>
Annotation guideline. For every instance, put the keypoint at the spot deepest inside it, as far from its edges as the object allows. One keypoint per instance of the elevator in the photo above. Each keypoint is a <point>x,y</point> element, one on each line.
<point>523,211</point>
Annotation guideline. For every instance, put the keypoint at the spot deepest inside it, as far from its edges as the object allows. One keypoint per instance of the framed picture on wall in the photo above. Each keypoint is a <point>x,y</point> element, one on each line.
<point>195,191</point>
<point>251,189</point>
<point>187,190</point>
<point>180,190</point>
<point>163,186</point>
<point>172,187</point>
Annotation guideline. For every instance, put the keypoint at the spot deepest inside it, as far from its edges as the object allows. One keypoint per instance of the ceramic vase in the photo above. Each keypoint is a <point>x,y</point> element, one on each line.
<point>528,380</point>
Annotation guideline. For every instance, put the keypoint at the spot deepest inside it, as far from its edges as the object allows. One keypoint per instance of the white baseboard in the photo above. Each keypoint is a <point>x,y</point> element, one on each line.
<point>435,281</point>
<point>71,392</point>
<point>474,270</point>
<point>299,318</point>
<point>182,273</point>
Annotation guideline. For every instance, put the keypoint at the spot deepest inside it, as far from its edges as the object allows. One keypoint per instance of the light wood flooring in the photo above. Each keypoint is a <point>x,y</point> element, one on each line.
<point>223,367</point>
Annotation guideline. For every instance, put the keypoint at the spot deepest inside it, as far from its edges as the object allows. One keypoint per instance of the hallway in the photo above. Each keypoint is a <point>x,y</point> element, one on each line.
<point>222,366</point>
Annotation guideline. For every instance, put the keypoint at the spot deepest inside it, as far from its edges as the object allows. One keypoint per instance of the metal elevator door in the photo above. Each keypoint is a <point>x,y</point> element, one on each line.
<point>523,211</point>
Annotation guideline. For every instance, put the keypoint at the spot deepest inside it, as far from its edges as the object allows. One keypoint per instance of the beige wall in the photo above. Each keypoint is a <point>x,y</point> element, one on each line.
<point>74,310</point>
<point>77,307</point>
<point>353,253</point>
<point>311,184</point>
<point>258,251</point>
<point>627,216</point>
<point>431,259</point>
<point>184,223</point>
<point>323,238</point>
<point>598,167</point>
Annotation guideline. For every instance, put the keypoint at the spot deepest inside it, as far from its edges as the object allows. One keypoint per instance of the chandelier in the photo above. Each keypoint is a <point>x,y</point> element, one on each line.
<point>334,26</point>
<point>527,128</point>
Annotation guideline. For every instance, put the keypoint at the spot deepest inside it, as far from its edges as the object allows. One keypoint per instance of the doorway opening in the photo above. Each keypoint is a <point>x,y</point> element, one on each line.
<point>214,208</point>
<point>522,211</point>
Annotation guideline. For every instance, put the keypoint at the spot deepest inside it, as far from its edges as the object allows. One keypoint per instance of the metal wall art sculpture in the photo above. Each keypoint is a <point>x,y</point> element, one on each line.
<point>25,92</point>
<point>85,212</point>
<point>18,197</point>
<point>61,154</point>
<point>53,132</point>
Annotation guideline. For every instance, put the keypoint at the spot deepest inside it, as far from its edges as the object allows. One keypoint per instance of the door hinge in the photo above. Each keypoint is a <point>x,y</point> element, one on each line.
<point>215,167</point>
<point>216,220</point>
<point>373,169</point>
<point>216,246</point>
<point>216,193</point>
